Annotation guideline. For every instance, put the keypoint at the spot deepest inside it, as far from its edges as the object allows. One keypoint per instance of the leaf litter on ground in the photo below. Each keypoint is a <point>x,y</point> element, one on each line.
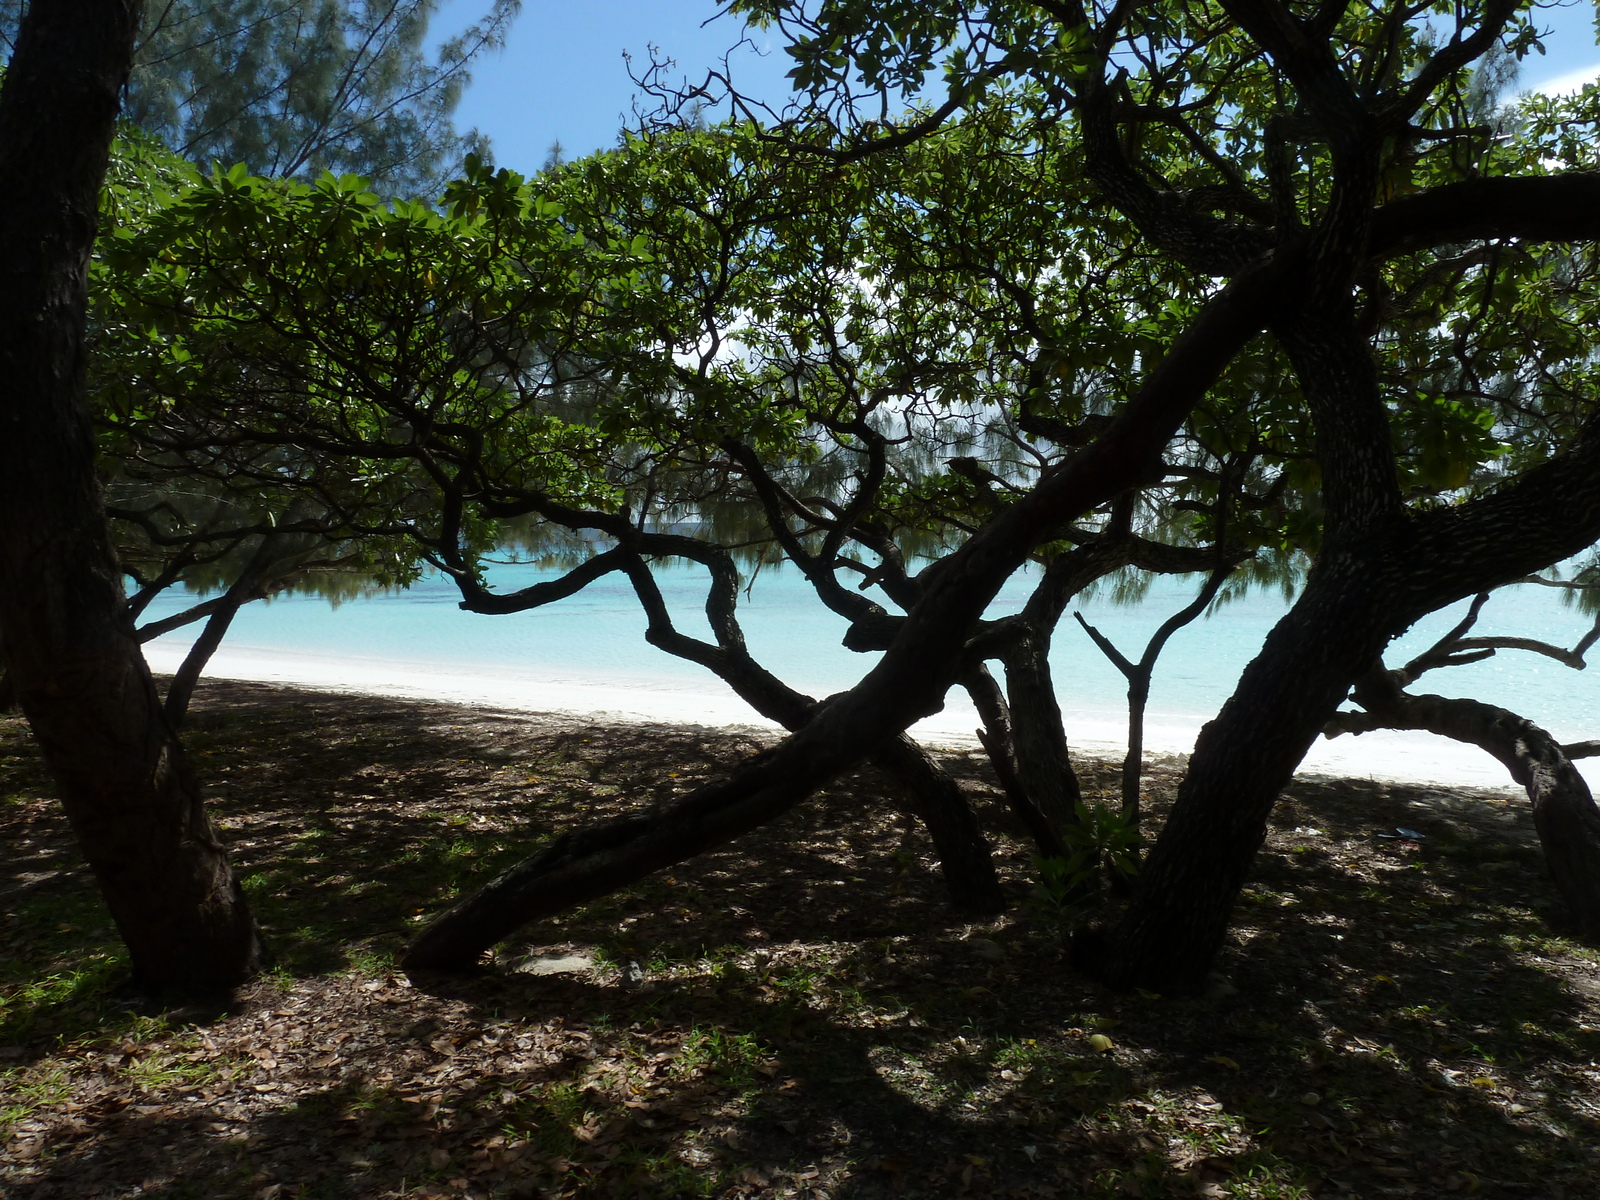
<point>800,1014</point>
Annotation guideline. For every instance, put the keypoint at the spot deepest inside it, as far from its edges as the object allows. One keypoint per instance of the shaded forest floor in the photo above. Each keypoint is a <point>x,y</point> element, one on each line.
<point>1395,1018</point>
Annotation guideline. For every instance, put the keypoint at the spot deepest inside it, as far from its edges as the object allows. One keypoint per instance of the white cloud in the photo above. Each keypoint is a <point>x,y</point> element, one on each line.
<point>1571,83</point>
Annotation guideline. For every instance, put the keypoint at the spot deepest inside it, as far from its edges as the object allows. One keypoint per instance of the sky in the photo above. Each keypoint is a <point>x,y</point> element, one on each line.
<point>562,77</point>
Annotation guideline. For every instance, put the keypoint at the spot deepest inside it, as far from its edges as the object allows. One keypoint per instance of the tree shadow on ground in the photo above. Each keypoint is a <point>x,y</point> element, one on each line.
<point>1401,1019</point>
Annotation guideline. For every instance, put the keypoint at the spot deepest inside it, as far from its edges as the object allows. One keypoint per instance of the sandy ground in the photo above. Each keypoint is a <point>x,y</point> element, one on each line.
<point>699,699</point>
<point>799,1014</point>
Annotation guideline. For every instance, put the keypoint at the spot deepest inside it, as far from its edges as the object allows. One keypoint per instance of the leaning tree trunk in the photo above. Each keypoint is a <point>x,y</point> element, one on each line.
<point>999,742</point>
<point>69,646</point>
<point>1564,811</point>
<point>1044,763</point>
<point>930,794</point>
<point>958,839</point>
<point>181,690</point>
<point>1339,626</point>
<point>595,860</point>
<point>276,555</point>
<point>1242,760</point>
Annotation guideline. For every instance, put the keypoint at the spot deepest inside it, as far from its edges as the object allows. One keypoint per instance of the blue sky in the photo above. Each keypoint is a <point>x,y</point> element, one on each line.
<point>563,77</point>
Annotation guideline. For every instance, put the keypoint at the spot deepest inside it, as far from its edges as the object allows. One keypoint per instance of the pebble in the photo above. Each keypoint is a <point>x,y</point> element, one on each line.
<point>563,964</point>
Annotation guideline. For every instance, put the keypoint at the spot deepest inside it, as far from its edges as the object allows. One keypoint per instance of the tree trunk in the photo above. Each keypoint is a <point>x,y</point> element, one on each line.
<point>70,646</point>
<point>1349,610</point>
<point>586,863</point>
<point>958,840</point>
<point>1133,761</point>
<point>590,862</point>
<point>275,559</point>
<point>1241,761</point>
<point>181,690</point>
<point>1139,673</point>
<point>1564,811</point>
<point>908,683</point>
<point>933,797</point>
<point>999,744</point>
<point>8,687</point>
<point>1044,764</point>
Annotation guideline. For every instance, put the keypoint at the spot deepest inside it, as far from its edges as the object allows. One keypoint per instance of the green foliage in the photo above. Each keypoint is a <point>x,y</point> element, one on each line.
<point>1100,839</point>
<point>911,336</point>
<point>1483,349</point>
<point>299,87</point>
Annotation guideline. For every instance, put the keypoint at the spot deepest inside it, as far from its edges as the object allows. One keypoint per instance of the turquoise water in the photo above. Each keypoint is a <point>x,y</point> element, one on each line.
<point>588,653</point>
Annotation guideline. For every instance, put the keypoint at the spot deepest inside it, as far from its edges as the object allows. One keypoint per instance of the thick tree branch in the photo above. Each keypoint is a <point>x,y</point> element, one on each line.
<point>479,599</point>
<point>1563,810</point>
<point>1550,208</point>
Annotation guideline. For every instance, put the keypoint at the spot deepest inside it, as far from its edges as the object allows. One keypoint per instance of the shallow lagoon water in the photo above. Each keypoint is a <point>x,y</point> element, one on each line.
<point>587,654</point>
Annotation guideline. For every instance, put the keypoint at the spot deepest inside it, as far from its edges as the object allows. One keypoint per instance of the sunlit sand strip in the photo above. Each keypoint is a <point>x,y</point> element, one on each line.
<point>1392,756</point>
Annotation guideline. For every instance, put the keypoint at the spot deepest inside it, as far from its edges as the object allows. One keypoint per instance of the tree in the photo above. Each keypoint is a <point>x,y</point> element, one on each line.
<point>297,87</point>
<point>246,276</point>
<point>661,417</point>
<point>69,647</point>
<point>1393,399</point>
<point>209,532</point>
<point>440,353</point>
<point>1294,161</point>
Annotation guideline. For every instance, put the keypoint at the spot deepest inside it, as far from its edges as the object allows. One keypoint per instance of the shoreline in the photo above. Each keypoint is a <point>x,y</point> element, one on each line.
<point>587,655</point>
<point>1409,759</point>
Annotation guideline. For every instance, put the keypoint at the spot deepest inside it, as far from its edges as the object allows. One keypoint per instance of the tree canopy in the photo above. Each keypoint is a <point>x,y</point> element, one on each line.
<point>297,87</point>
<point>1167,290</point>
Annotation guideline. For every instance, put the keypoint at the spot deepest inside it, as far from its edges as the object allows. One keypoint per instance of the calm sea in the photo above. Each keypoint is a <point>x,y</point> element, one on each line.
<point>587,654</point>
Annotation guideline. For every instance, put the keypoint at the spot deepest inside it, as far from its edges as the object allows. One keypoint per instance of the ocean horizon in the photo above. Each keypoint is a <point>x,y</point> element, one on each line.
<point>586,656</point>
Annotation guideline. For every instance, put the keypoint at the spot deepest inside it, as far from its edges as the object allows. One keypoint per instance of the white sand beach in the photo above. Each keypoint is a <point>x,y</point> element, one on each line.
<point>1388,756</point>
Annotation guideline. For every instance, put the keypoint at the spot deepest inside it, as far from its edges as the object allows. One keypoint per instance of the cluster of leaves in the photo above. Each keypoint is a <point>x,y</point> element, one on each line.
<point>294,88</point>
<point>309,352</point>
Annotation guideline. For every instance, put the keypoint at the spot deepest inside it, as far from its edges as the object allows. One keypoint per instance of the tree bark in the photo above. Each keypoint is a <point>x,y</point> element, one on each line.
<point>1242,760</point>
<point>1564,811</point>
<point>1024,734</point>
<point>8,687</point>
<point>70,646</point>
<point>1349,610</point>
<point>1044,763</point>
<point>1000,746</point>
